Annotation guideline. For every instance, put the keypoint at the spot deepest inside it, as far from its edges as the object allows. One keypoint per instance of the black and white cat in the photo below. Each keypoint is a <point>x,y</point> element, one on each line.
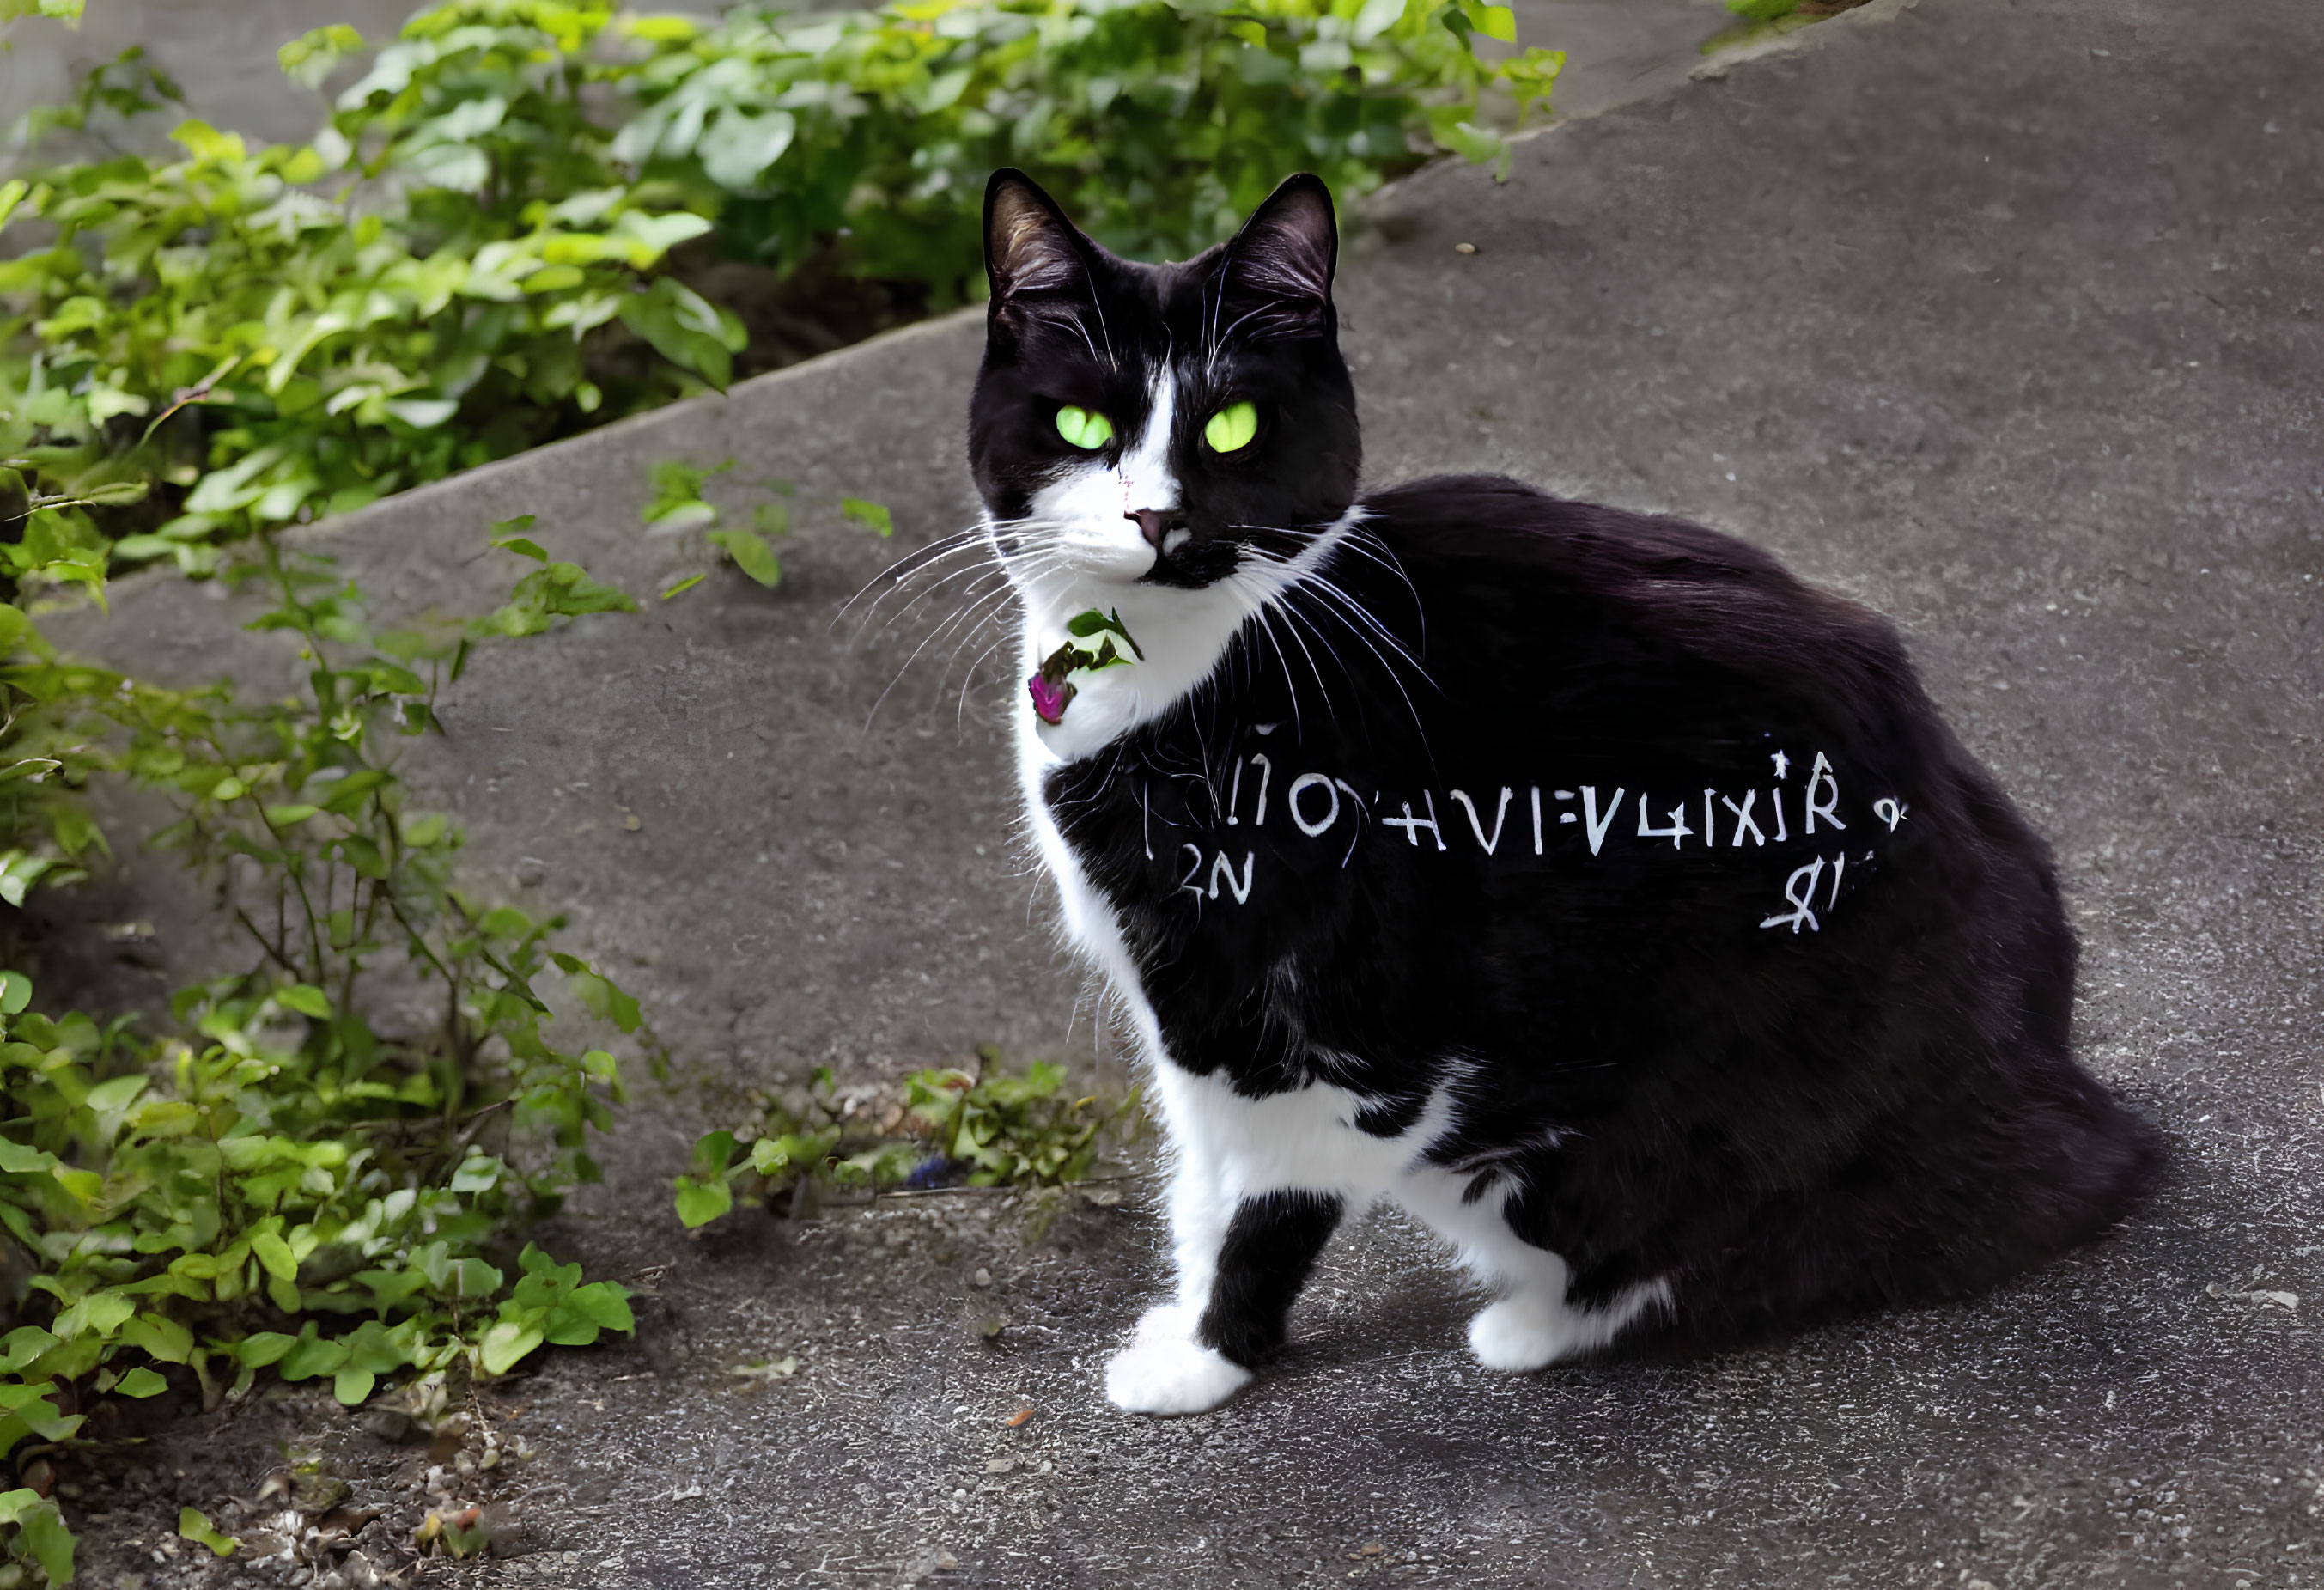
<point>1579,879</point>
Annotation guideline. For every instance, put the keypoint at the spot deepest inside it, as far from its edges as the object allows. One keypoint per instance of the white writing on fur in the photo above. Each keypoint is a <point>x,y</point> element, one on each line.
<point>1316,804</point>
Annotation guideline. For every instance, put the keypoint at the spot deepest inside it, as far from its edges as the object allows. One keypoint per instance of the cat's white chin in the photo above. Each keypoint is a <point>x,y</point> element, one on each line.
<point>1166,1371</point>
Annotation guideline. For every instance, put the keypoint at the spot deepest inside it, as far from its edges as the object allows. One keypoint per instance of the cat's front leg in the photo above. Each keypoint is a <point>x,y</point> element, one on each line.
<point>1239,1275</point>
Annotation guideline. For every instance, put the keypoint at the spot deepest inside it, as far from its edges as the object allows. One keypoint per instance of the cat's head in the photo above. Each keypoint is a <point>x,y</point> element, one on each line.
<point>1160,426</point>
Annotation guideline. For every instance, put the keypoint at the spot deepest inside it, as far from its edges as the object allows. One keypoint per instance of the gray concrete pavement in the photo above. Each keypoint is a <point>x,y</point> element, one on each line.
<point>1618,50</point>
<point>2002,317</point>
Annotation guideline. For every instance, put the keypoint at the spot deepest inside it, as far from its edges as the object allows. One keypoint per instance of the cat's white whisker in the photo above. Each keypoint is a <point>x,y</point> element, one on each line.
<point>1262,604</point>
<point>959,713</point>
<point>1351,612</point>
<point>993,606</point>
<point>1299,621</point>
<point>934,635</point>
<point>910,567</point>
<point>933,594</point>
<point>926,589</point>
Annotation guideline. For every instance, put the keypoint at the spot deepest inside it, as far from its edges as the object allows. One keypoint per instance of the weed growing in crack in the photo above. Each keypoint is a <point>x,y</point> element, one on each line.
<point>951,1128</point>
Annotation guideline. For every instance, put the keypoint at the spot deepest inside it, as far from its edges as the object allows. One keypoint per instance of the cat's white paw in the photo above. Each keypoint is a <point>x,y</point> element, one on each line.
<point>1522,1334</point>
<point>1166,1371</point>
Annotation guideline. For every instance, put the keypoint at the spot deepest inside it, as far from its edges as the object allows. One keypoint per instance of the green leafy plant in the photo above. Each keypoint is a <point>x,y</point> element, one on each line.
<point>1159,123</point>
<point>67,11</point>
<point>449,273</point>
<point>985,1128</point>
<point>278,1180</point>
<point>679,504</point>
<point>1771,19</point>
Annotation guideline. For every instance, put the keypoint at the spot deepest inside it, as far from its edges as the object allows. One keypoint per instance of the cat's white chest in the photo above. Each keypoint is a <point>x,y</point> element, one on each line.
<point>1088,919</point>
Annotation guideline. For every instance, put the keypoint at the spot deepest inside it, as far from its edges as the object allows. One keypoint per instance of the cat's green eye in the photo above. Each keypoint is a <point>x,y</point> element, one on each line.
<point>1231,427</point>
<point>1083,428</point>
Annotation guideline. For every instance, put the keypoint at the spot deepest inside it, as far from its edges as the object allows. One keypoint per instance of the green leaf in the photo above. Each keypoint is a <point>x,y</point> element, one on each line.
<point>682,326</point>
<point>99,1315</point>
<point>15,993</point>
<point>505,1343</point>
<point>309,58</point>
<point>262,1347</point>
<point>872,516</point>
<point>477,1173</point>
<point>16,1157</point>
<point>351,1386</point>
<point>605,1304</point>
<point>714,1151</point>
<point>678,501</point>
<point>367,859</point>
<point>306,998</point>
<point>601,996</point>
<point>21,1345</point>
<point>272,1252</point>
<point>1472,143</point>
<point>141,1382</point>
<point>115,1094</point>
<point>349,795</point>
<point>701,1202</point>
<point>195,1526</point>
<point>311,1355</point>
<point>1495,22</point>
<point>751,553</point>
<point>160,1338</point>
<point>682,587</point>
<point>43,1534</point>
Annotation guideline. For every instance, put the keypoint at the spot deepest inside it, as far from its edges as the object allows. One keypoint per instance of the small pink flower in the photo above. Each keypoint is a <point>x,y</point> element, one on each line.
<point>1049,696</point>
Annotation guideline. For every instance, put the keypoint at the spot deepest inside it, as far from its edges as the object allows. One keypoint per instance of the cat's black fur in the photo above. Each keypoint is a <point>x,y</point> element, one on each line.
<point>1781,1122</point>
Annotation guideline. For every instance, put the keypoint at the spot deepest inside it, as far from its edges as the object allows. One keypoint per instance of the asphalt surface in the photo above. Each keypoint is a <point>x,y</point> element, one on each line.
<point>2002,317</point>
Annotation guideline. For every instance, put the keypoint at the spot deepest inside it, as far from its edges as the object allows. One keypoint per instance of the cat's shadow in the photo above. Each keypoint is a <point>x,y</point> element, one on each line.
<point>1386,1287</point>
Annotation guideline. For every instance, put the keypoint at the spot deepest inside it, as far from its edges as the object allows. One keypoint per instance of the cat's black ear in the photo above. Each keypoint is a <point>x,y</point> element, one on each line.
<point>1031,249</point>
<point>1275,281</point>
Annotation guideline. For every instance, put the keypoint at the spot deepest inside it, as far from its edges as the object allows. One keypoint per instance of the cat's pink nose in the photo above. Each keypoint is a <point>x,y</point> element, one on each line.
<point>1153,524</point>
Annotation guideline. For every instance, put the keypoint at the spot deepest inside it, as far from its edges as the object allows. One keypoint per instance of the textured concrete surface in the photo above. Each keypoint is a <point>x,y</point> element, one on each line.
<point>2002,317</point>
<point>1618,51</point>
